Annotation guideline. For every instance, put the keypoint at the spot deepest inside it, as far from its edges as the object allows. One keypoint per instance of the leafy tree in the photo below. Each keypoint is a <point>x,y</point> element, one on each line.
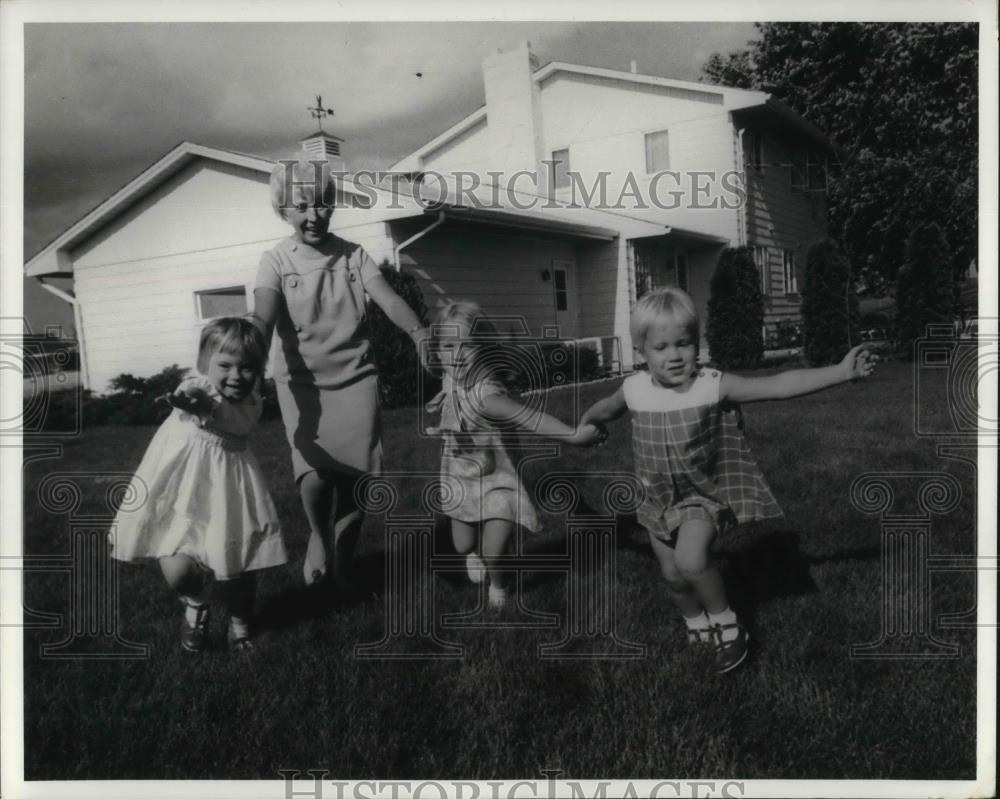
<point>829,305</point>
<point>735,311</point>
<point>900,100</point>
<point>924,290</point>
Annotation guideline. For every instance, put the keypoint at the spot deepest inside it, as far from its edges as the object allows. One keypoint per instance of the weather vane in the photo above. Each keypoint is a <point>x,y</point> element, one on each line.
<point>319,113</point>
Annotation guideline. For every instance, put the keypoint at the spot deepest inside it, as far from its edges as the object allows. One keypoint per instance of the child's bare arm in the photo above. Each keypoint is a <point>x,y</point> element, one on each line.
<point>190,399</point>
<point>605,410</point>
<point>858,363</point>
<point>504,409</point>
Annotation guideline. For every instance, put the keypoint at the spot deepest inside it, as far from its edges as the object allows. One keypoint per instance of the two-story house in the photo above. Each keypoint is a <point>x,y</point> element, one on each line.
<point>571,192</point>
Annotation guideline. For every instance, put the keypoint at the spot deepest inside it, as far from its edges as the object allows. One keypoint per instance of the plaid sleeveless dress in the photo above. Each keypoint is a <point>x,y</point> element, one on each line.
<point>691,457</point>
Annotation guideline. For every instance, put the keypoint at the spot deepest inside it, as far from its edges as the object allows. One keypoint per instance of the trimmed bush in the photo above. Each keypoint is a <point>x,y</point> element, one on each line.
<point>829,306</point>
<point>925,293</point>
<point>399,370</point>
<point>550,364</point>
<point>735,311</point>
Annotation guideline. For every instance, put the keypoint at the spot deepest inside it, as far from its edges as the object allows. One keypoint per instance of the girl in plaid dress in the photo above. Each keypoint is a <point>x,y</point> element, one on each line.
<point>695,465</point>
<point>483,492</point>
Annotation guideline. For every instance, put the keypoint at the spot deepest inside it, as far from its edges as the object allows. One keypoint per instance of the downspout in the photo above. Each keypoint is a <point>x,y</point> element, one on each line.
<point>741,213</point>
<point>419,235</point>
<point>77,323</point>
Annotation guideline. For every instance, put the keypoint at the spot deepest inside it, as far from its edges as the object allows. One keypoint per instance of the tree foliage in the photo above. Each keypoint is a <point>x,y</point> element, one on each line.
<point>924,290</point>
<point>900,100</point>
<point>829,305</point>
<point>735,311</point>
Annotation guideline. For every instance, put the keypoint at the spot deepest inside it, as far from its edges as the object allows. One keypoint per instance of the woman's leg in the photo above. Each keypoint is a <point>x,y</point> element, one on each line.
<point>317,489</point>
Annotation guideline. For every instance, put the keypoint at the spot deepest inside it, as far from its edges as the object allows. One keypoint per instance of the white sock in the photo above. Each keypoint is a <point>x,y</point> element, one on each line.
<point>498,596</point>
<point>699,622</point>
<point>240,628</point>
<point>191,611</point>
<point>725,617</point>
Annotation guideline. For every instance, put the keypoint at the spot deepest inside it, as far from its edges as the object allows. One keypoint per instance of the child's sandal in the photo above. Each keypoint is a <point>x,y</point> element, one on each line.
<point>194,635</point>
<point>730,653</point>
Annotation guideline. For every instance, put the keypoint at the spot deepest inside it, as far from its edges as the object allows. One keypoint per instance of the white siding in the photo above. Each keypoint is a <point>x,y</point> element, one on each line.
<point>604,123</point>
<point>503,273</point>
<point>782,217</point>
<point>136,279</point>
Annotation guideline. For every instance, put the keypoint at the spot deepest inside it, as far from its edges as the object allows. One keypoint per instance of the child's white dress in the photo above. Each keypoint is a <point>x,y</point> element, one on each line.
<point>206,496</point>
<point>692,458</point>
<point>479,477</point>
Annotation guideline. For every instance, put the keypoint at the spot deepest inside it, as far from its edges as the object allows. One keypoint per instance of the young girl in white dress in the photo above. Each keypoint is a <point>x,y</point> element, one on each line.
<point>207,512</point>
<point>476,468</point>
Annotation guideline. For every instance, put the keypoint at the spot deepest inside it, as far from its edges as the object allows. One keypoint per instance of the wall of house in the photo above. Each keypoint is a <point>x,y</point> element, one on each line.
<point>467,151</point>
<point>603,122</point>
<point>781,216</point>
<point>205,228</point>
<point>500,271</point>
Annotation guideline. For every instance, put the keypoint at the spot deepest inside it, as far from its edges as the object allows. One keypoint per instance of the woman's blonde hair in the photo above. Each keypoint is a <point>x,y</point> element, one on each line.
<point>299,173</point>
<point>659,303</point>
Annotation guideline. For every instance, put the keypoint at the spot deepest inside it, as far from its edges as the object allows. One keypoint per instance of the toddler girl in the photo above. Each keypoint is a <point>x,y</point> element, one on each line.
<point>699,476</point>
<point>208,513</point>
<point>475,465</point>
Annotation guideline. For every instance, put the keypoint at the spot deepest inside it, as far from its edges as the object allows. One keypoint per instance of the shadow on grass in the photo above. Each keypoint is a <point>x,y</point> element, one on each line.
<point>300,602</point>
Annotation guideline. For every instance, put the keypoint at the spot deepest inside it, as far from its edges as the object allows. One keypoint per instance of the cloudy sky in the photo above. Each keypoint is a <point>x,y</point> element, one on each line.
<point>104,101</point>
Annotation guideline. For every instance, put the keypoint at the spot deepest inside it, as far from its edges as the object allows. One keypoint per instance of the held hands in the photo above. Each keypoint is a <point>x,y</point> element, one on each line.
<point>588,434</point>
<point>859,363</point>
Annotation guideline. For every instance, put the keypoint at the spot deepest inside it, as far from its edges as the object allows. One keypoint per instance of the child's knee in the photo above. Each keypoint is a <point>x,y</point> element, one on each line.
<point>692,565</point>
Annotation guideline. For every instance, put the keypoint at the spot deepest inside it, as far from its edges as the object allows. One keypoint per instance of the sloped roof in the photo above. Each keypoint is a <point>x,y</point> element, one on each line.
<point>733,99</point>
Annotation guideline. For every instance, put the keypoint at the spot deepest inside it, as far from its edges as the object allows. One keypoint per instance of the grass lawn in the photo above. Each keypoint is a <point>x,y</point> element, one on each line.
<point>801,707</point>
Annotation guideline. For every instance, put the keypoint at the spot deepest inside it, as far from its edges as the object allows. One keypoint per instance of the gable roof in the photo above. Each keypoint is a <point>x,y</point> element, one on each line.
<point>732,99</point>
<point>53,258</point>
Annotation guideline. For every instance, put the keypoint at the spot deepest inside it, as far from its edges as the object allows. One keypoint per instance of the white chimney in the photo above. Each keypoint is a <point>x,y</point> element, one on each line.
<point>513,112</point>
<point>633,66</point>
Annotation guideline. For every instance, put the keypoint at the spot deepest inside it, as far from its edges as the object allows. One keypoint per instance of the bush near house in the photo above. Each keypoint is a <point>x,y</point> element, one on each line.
<point>829,305</point>
<point>399,369</point>
<point>925,292</point>
<point>735,311</point>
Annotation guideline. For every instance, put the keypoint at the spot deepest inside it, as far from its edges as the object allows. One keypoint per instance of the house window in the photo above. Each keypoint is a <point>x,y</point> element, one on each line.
<point>761,257</point>
<point>757,152</point>
<point>559,283</point>
<point>230,301</point>
<point>560,169</point>
<point>657,152</point>
<point>788,272</point>
<point>643,271</point>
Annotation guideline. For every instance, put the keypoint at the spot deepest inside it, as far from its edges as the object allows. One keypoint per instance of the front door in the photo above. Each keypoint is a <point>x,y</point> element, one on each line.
<point>564,297</point>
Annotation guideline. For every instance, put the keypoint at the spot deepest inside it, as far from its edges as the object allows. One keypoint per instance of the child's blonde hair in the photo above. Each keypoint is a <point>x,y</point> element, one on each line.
<point>479,333</point>
<point>659,303</point>
<point>300,173</point>
<point>233,335</point>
